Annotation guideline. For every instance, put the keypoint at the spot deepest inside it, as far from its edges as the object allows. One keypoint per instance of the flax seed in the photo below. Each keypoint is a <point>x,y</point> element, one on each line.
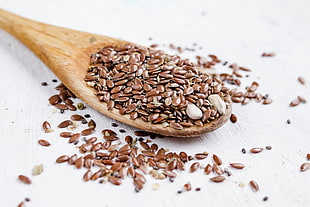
<point>217,179</point>
<point>66,134</point>
<point>24,179</point>
<point>305,166</point>
<point>256,150</point>
<point>194,167</point>
<point>46,126</point>
<point>254,185</point>
<point>301,80</point>
<point>216,159</point>
<point>237,165</point>
<point>295,102</point>
<point>87,132</point>
<point>63,158</point>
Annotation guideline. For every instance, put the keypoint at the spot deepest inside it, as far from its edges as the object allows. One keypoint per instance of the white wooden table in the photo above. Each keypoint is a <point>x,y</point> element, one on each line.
<point>237,31</point>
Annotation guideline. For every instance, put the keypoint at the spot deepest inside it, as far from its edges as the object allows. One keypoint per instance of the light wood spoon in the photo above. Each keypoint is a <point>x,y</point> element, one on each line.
<point>67,53</point>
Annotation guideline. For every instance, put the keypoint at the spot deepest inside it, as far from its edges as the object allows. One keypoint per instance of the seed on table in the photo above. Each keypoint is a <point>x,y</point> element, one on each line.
<point>267,101</point>
<point>74,137</point>
<point>63,158</point>
<point>87,176</point>
<point>201,156</point>
<point>72,159</point>
<point>302,99</point>
<point>268,147</point>
<point>79,163</point>
<point>46,127</point>
<point>233,118</point>
<point>141,133</point>
<point>308,156</point>
<point>217,169</point>
<point>61,106</point>
<point>305,166</point>
<point>194,167</point>
<point>71,107</point>
<point>66,134</point>
<point>43,142</point>
<point>301,80</point>
<point>243,150</point>
<point>216,159</point>
<point>217,179</point>
<point>265,198</point>
<point>254,185</point>
<point>114,180</point>
<point>92,124</point>
<point>77,117</point>
<point>208,169</point>
<point>237,165</point>
<point>87,132</point>
<point>256,150</point>
<point>21,204</point>
<point>24,179</point>
<point>188,186</point>
<point>65,124</point>
<point>295,102</point>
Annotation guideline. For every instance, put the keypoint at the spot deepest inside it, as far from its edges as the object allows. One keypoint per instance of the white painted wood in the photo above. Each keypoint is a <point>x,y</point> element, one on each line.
<point>238,31</point>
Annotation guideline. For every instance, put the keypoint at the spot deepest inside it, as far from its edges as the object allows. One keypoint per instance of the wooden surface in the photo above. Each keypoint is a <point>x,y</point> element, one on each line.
<point>238,31</point>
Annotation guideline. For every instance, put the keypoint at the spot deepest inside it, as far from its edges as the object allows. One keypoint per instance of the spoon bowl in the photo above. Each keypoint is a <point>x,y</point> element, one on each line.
<point>67,53</point>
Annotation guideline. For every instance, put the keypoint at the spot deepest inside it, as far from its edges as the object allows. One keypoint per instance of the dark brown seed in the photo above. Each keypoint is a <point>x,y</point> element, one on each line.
<point>145,146</point>
<point>87,132</point>
<point>24,179</point>
<point>188,186</point>
<point>79,163</point>
<point>96,175</point>
<point>92,124</point>
<point>141,133</point>
<point>308,156</point>
<point>21,204</point>
<point>265,198</point>
<point>268,147</point>
<point>55,99</point>
<point>131,172</point>
<point>172,164</point>
<point>61,106</point>
<point>77,117</point>
<point>305,166</point>
<point>44,142</point>
<point>217,179</point>
<point>194,167</point>
<point>183,156</point>
<point>233,118</point>
<point>176,125</point>
<point>208,169</point>
<point>46,126</point>
<point>63,158</point>
<point>87,176</point>
<point>66,134</point>
<point>74,137</point>
<point>216,159</point>
<point>254,185</point>
<point>256,150</point>
<point>301,80</point>
<point>140,177</point>
<point>243,150</point>
<point>237,165</point>
<point>27,199</point>
<point>295,102</point>
<point>114,180</point>
<point>201,156</point>
<point>65,124</point>
<point>114,125</point>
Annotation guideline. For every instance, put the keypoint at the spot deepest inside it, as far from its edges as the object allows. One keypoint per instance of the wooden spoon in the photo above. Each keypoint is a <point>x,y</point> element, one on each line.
<point>67,53</point>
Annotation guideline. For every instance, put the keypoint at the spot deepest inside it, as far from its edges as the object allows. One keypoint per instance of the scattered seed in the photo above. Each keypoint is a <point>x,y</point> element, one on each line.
<point>265,198</point>
<point>217,179</point>
<point>197,189</point>
<point>63,158</point>
<point>243,150</point>
<point>46,127</point>
<point>308,156</point>
<point>24,179</point>
<point>288,121</point>
<point>114,125</point>
<point>80,106</point>
<point>254,185</point>
<point>302,99</point>
<point>65,124</point>
<point>233,118</point>
<point>87,132</point>
<point>194,167</point>
<point>208,169</point>
<point>43,142</point>
<point>27,199</point>
<point>301,80</point>
<point>216,159</point>
<point>237,165</point>
<point>295,102</point>
<point>21,204</point>
<point>268,147</point>
<point>256,150</point>
<point>305,166</point>
<point>188,186</point>
<point>44,84</point>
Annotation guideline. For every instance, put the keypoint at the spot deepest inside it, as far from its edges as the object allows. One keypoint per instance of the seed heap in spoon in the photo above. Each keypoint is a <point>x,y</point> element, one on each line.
<point>156,87</point>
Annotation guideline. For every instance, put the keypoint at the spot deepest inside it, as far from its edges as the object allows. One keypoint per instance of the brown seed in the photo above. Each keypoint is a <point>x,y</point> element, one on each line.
<point>74,137</point>
<point>201,156</point>
<point>295,102</point>
<point>77,117</point>
<point>55,99</point>
<point>256,150</point>
<point>188,186</point>
<point>308,156</point>
<point>72,159</point>
<point>92,124</point>
<point>61,106</point>
<point>216,159</point>
<point>21,204</point>
<point>46,126</point>
<point>141,133</point>
<point>237,165</point>
<point>79,163</point>
<point>131,172</point>
<point>267,101</point>
<point>194,167</point>
<point>301,80</point>
<point>87,176</point>
<point>176,125</point>
<point>87,132</point>
<point>24,179</point>
<point>63,158</point>
<point>145,146</point>
<point>44,142</point>
<point>217,169</point>
<point>66,134</point>
<point>208,169</point>
<point>96,175</point>
<point>138,184</point>
<point>302,99</point>
<point>65,124</point>
<point>114,180</point>
<point>305,166</point>
<point>217,179</point>
<point>233,118</point>
<point>254,185</point>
